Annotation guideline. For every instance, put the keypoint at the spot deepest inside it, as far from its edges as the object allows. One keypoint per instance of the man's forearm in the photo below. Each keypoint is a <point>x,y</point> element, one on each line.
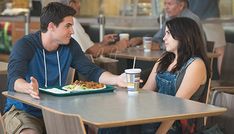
<point>108,78</point>
<point>29,88</point>
<point>111,79</point>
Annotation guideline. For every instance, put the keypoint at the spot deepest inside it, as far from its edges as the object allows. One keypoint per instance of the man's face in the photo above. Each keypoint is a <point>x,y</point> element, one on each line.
<point>173,8</point>
<point>62,33</point>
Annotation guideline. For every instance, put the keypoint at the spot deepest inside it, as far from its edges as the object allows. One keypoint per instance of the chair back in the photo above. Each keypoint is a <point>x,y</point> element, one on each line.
<point>227,70</point>
<point>3,84</point>
<point>2,128</point>
<point>60,123</point>
<point>223,97</point>
<point>210,46</point>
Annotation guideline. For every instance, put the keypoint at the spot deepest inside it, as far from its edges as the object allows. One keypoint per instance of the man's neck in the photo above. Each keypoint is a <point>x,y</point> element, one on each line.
<point>48,43</point>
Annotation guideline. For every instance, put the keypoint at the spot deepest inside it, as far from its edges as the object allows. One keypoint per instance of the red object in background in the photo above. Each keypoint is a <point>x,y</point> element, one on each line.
<point>5,37</point>
<point>9,29</point>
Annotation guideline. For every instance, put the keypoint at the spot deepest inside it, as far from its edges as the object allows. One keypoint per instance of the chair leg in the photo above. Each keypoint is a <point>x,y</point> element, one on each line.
<point>207,98</point>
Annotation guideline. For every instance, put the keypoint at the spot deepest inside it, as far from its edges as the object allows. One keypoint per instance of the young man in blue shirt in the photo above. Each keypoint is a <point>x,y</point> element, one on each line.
<point>42,59</point>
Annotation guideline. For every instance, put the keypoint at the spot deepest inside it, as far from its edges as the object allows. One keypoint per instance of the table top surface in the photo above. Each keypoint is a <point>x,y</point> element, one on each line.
<point>3,67</point>
<point>140,54</point>
<point>119,108</point>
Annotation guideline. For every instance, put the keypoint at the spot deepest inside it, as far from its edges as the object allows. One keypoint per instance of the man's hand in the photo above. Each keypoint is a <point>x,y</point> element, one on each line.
<point>122,45</point>
<point>122,82</point>
<point>109,38</point>
<point>33,90</point>
<point>135,41</point>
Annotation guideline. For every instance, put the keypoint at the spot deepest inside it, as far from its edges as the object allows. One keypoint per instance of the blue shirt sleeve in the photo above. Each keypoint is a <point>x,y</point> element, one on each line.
<point>19,59</point>
<point>83,65</point>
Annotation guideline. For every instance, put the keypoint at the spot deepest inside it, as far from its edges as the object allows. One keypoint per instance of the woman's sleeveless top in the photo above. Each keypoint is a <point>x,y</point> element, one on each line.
<point>168,83</point>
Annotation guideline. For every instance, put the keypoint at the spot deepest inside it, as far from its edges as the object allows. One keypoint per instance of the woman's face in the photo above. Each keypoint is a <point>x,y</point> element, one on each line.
<point>171,44</point>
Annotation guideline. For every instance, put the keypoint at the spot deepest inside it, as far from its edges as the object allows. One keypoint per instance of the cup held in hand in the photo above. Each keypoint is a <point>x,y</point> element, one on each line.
<point>133,79</point>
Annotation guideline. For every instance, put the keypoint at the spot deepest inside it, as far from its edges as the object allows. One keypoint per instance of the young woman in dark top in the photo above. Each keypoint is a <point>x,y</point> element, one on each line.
<point>182,71</point>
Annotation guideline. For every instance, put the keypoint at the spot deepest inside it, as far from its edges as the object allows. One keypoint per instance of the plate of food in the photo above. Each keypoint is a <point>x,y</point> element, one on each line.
<point>78,88</point>
<point>84,86</point>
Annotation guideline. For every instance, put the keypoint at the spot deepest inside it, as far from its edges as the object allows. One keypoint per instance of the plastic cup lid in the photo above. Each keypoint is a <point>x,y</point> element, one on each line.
<point>133,70</point>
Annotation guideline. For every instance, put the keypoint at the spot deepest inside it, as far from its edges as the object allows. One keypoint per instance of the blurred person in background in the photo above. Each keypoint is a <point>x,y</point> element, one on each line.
<point>172,9</point>
<point>205,8</point>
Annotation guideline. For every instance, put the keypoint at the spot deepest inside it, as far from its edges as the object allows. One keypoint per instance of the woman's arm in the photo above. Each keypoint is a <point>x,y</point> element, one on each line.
<point>195,76</point>
<point>150,83</point>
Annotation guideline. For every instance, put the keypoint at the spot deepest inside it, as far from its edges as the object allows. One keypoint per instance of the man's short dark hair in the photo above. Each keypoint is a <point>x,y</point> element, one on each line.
<point>54,12</point>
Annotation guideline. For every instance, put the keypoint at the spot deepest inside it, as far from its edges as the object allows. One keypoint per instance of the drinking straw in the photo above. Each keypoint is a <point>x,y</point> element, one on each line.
<point>134,62</point>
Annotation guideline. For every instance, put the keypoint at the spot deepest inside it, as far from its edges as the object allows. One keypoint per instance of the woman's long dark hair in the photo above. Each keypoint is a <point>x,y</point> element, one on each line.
<point>191,44</point>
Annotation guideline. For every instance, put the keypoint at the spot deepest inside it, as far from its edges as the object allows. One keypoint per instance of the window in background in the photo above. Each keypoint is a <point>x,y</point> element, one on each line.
<point>121,7</point>
<point>226,8</point>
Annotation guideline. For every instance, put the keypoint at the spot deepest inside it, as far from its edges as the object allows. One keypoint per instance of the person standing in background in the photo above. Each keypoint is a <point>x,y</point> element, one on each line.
<point>205,8</point>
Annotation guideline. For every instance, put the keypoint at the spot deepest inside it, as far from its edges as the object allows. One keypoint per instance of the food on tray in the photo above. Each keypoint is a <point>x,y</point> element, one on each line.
<point>84,85</point>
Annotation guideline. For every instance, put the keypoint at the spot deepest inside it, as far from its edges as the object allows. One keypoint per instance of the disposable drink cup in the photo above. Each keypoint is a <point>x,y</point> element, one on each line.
<point>147,43</point>
<point>124,36</point>
<point>133,79</point>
